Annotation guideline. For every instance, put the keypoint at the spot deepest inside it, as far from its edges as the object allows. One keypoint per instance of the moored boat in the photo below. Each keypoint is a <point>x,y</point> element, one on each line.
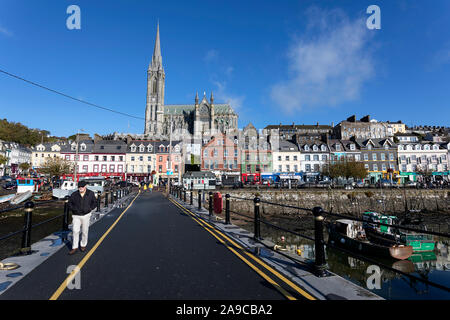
<point>21,197</point>
<point>350,235</point>
<point>67,188</point>
<point>7,197</point>
<point>389,235</point>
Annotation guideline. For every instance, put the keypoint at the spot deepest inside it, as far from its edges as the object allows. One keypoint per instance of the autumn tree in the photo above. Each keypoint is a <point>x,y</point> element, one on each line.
<point>56,167</point>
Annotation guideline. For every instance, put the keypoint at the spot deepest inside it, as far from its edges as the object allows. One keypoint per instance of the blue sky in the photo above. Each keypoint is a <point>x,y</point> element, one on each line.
<point>274,62</point>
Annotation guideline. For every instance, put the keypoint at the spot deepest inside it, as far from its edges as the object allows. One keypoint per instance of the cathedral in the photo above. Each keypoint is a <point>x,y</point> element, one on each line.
<point>204,117</point>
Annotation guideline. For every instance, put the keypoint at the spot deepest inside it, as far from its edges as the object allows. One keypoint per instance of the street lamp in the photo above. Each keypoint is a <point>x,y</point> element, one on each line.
<point>76,156</point>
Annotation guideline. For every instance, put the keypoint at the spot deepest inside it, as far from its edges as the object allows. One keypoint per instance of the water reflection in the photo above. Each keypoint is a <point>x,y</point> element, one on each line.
<point>431,266</point>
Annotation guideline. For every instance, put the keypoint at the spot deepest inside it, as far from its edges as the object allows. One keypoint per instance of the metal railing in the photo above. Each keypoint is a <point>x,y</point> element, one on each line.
<point>114,195</point>
<point>320,265</point>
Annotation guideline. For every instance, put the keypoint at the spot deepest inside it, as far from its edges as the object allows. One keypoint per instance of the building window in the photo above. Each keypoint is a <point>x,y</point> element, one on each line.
<point>95,167</point>
<point>120,168</point>
<point>308,168</point>
<point>104,158</point>
<point>160,158</point>
<point>120,158</point>
<point>160,168</point>
<point>113,158</point>
<point>307,157</point>
<point>176,168</point>
<point>132,158</point>
<point>85,168</point>
<point>96,158</point>
<point>141,158</point>
<point>103,167</point>
<point>375,167</point>
<point>374,157</point>
<point>383,156</point>
<point>67,157</point>
<point>316,157</point>
<point>111,168</point>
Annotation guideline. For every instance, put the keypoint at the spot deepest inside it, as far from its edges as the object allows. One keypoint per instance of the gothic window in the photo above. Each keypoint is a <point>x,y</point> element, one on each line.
<point>154,81</point>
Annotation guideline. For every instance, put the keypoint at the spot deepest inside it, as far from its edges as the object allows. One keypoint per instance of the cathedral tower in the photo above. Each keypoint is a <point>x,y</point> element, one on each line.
<point>154,112</point>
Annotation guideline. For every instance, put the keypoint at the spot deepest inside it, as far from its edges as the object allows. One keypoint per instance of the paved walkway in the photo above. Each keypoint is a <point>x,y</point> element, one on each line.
<point>151,250</point>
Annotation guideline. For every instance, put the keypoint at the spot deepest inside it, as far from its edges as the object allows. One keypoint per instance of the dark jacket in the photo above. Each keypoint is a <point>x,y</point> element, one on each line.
<point>81,206</point>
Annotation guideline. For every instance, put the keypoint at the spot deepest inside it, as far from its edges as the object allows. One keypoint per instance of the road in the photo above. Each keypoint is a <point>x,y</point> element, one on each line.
<point>150,250</point>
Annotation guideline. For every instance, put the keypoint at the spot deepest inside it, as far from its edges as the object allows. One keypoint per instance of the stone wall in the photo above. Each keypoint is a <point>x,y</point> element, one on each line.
<point>353,202</point>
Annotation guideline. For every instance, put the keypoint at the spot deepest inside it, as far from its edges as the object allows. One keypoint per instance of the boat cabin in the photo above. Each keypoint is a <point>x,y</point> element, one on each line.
<point>350,228</point>
<point>370,217</point>
<point>24,185</point>
<point>69,185</point>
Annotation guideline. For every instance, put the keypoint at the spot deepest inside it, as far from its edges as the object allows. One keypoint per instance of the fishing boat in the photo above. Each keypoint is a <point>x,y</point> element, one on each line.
<point>7,197</point>
<point>351,235</point>
<point>388,235</point>
<point>21,197</point>
<point>67,188</point>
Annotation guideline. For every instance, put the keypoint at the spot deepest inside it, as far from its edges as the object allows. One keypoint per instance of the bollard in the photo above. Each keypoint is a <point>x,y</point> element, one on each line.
<point>257,227</point>
<point>210,203</point>
<point>184,195</point>
<point>192,199</point>
<point>99,195</point>
<point>227,209</point>
<point>26,236</point>
<point>65,226</point>
<point>199,199</point>
<point>320,263</point>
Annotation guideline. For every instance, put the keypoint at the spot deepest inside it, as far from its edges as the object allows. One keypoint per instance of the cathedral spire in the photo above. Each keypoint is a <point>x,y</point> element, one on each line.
<point>157,58</point>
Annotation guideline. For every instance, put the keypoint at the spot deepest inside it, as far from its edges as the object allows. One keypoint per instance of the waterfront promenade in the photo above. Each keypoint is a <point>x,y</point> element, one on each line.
<point>153,247</point>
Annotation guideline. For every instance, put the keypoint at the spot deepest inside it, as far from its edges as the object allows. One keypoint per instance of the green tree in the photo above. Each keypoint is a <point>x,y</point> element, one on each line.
<point>56,167</point>
<point>24,166</point>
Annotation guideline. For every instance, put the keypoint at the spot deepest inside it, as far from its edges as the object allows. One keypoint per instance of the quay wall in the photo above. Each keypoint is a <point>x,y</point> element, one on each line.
<point>350,202</point>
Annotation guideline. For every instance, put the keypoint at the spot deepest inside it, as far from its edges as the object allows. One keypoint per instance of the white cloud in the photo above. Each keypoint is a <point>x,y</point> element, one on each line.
<point>328,65</point>
<point>221,94</point>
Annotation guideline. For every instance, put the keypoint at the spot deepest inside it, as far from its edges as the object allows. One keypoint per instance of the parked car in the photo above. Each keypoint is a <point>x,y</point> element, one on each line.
<point>411,184</point>
<point>123,184</point>
<point>324,184</point>
<point>6,178</point>
<point>10,186</point>
<point>361,184</point>
<point>348,186</point>
<point>386,184</point>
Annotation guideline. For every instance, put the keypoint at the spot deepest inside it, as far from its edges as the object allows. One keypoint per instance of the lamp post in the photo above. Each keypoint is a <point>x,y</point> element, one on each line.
<point>76,157</point>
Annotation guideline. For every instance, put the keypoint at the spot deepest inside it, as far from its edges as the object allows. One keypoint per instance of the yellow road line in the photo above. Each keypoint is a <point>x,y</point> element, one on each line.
<point>276,285</point>
<point>273,271</point>
<point>63,285</point>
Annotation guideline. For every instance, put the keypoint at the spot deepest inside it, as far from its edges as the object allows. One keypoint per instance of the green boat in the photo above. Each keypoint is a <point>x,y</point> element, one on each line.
<point>419,242</point>
<point>387,235</point>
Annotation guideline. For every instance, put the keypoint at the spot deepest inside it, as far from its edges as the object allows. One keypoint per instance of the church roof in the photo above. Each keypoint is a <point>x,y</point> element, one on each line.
<point>188,108</point>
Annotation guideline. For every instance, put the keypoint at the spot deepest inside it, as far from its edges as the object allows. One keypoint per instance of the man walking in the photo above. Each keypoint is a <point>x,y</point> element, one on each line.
<point>81,202</point>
